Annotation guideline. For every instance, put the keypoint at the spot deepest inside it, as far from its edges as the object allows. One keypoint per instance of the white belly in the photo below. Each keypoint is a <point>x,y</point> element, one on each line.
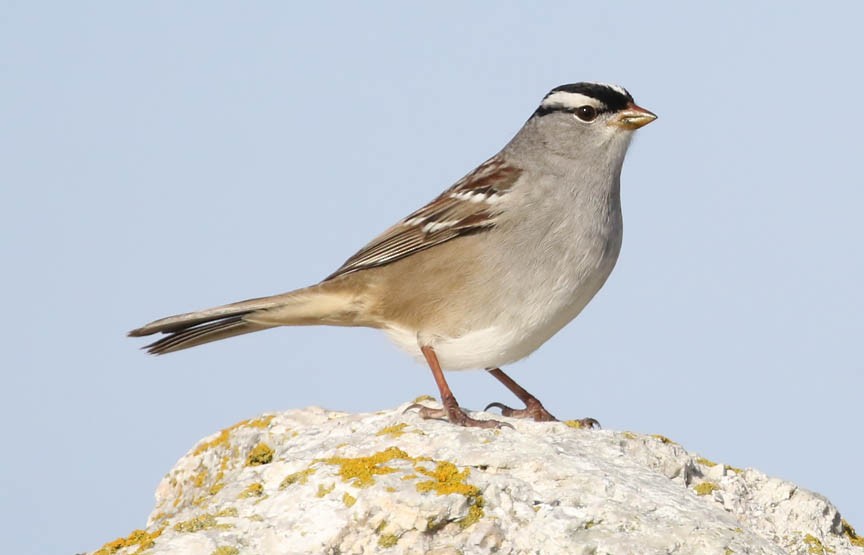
<point>520,328</point>
<point>484,348</point>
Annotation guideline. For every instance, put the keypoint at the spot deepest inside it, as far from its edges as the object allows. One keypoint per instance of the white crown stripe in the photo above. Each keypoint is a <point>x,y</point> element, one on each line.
<point>616,88</point>
<point>570,100</point>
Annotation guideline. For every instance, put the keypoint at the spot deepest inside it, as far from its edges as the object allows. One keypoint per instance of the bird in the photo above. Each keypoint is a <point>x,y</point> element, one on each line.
<point>485,273</point>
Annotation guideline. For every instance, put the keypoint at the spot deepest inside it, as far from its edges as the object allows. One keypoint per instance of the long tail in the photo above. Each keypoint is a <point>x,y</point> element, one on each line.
<point>318,304</point>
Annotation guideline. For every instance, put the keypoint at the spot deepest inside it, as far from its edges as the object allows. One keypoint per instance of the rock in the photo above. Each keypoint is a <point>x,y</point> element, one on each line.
<point>315,481</point>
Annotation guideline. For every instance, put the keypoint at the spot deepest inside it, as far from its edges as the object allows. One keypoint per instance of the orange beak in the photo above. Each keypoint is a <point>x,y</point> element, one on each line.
<point>634,117</point>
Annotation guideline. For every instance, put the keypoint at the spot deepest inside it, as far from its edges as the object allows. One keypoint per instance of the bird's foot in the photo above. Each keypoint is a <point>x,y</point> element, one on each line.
<point>534,409</point>
<point>454,414</point>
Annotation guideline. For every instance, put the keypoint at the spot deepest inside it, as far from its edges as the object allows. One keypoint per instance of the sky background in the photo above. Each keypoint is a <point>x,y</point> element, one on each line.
<point>162,157</point>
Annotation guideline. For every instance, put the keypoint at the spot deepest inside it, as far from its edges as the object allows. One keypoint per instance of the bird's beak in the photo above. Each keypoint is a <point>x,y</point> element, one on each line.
<point>634,117</point>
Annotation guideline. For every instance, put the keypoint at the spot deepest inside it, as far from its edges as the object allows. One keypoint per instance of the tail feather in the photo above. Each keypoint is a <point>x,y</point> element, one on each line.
<point>201,334</point>
<point>310,306</point>
<point>184,321</point>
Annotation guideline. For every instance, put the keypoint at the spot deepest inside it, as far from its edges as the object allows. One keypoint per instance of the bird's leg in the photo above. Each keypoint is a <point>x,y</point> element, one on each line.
<point>533,407</point>
<point>451,410</point>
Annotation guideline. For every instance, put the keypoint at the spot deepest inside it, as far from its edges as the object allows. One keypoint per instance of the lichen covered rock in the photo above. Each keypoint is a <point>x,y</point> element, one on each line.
<point>316,481</point>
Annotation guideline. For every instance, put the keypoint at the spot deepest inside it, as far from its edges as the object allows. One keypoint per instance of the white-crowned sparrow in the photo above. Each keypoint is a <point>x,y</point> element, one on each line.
<point>486,272</point>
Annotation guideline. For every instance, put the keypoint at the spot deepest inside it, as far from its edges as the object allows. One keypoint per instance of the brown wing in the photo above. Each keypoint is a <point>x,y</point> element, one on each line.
<point>467,207</point>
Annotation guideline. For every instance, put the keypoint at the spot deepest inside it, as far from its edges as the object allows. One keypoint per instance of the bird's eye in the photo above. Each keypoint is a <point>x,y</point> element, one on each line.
<point>586,113</point>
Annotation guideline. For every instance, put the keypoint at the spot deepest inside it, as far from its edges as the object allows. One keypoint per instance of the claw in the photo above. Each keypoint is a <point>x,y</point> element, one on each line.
<point>413,406</point>
<point>505,410</point>
<point>584,424</point>
<point>533,410</point>
<point>455,415</point>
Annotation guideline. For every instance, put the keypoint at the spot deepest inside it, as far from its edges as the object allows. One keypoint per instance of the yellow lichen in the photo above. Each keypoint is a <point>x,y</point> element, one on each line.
<point>433,525</point>
<point>228,511</point>
<point>254,490</point>
<point>225,550</point>
<point>815,547</point>
<point>663,439</point>
<point>361,470</point>
<point>705,462</point>
<point>161,515</point>
<point>222,438</point>
<point>733,469</point>
<point>447,479</point>
<point>260,422</point>
<point>422,398</point>
<point>301,476</point>
<point>849,532</point>
<point>393,431</point>
<point>216,488</point>
<point>322,491</point>
<point>141,538</point>
<point>629,435</point>
<point>475,512</point>
<point>200,478</point>
<point>728,551</point>
<point>388,540</point>
<point>705,488</point>
<point>578,424</point>
<point>200,522</point>
<point>260,454</point>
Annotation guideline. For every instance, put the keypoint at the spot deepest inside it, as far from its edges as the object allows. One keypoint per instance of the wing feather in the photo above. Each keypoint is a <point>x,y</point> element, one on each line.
<point>467,207</point>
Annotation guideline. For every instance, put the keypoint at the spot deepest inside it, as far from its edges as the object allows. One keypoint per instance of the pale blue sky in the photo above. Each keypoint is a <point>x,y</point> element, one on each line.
<point>159,157</point>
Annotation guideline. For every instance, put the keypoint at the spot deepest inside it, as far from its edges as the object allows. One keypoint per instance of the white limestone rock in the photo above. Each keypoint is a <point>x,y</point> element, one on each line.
<point>314,481</point>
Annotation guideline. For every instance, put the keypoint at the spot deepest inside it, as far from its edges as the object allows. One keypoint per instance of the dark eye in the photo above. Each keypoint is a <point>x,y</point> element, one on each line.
<point>586,113</point>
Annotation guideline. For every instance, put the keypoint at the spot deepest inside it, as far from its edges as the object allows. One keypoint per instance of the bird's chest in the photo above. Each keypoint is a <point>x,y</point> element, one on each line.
<point>564,261</point>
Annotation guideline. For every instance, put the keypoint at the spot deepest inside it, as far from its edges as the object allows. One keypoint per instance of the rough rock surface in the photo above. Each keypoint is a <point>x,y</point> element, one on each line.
<point>315,481</point>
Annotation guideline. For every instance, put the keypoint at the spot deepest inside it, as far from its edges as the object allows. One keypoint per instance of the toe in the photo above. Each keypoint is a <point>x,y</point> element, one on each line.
<point>535,411</point>
<point>455,415</point>
<point>459,418</point>
<point>505,410</point>
<point>428,413</point>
